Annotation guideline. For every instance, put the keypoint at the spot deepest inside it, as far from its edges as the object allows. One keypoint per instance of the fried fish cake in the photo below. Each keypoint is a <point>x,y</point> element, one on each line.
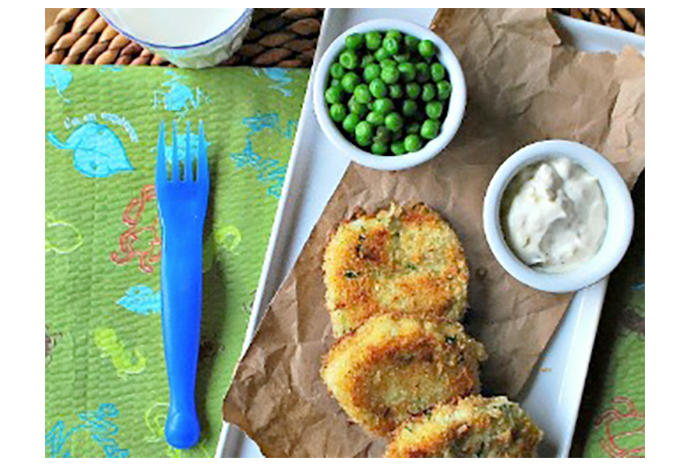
<point>471,427</point>
<point>394,366</point>
<point>403,259</point>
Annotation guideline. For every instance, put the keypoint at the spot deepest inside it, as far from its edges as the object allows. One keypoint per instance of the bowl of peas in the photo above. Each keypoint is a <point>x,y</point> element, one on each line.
<point>389,94</point>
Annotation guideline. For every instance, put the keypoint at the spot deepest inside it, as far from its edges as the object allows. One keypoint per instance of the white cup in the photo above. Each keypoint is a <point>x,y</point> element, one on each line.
<point>186,37</point>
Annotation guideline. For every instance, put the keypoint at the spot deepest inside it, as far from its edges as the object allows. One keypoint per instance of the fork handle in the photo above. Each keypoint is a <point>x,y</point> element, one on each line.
<point>181,289</point>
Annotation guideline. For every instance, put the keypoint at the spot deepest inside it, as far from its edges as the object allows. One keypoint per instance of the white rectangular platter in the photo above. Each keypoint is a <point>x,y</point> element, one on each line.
<point>554,392</point>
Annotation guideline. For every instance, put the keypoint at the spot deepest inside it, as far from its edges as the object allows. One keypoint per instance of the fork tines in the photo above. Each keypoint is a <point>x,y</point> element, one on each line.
<point>201,158</point>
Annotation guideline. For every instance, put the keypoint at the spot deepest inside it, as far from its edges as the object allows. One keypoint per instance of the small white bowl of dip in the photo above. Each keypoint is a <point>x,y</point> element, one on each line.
<point>525,196</point>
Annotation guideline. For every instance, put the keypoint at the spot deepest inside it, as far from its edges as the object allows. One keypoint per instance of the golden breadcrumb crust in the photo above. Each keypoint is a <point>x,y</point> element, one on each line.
<point>394,366</point>
<point>471,427</point>
<point>404,260</point>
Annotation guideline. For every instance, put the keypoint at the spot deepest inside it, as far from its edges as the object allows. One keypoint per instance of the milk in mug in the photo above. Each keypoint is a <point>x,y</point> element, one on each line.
<point>187,37</point>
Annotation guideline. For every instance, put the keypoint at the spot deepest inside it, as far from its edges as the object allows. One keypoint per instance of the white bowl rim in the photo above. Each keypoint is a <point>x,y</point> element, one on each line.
<point>118,27</point>
<point>615,192</point>
<point>450,125</point>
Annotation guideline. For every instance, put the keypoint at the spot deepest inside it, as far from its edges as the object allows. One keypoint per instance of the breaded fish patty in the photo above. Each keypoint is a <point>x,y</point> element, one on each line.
<point>471,427</point>
<point>394,366</point>
<point>404,260</point>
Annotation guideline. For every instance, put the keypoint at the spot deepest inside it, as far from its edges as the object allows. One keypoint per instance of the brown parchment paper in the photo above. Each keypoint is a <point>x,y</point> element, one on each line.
<point>523,85</point>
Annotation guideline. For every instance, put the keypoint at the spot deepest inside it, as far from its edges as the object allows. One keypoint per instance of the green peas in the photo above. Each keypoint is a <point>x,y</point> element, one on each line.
<point>349,82</point>
<point>443,89</point>
<point>364,130</point>
<point>423,73</point>
<point>377,88</point>
<point>395,91</point>
<point>438,72</point>
<point>430,129</point>
<point>408,71</point>
<point>376,119</point>
<point>367,60</point>
<point>354,41</point>
<point>337,71</point>
<point>412,89</point>
<point>372,40</point>
<point>413,128</point>
<point>411,42</point>
<point>357,108</point>
<point>362,94</point>
<point>333,95</point>
<point>350,122</point>
<point>388,62</point>
<point>428,92</point>
<point>395,35</point>
<point>391,45</point>
<point>338,112</point>
<point>382,135</point>
<point>426,48</point>
<point>390,75</point>
<point>409,108</point>
<point>412,143</point>
<point>362,141</point>
<point>388,92</point>
<point>348,59</point>
<point>379,148</point>
<point>394,121</point>
<point>381,54</point>
<point>401,57</point>
<point>383,106</point>
<point>434,109</point>
<point>371,72</point>
<point>398,148</point>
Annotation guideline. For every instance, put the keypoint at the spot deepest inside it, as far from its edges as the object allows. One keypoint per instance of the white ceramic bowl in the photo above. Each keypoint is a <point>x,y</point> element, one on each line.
<point>619,221</point>
<point>456,105</point>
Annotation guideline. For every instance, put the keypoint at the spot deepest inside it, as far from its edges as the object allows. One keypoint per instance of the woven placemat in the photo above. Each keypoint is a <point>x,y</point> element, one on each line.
<point>283,37</point>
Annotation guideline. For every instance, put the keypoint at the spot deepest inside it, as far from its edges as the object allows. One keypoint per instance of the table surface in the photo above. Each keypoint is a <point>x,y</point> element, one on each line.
<point>51,14</point>
<point>615,320</point>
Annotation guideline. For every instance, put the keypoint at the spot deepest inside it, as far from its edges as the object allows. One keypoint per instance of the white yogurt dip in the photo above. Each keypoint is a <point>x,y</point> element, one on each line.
<point>554,215</point>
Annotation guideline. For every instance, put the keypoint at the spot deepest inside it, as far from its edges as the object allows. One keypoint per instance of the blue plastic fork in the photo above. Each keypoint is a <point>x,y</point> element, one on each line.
<point>182,202</point>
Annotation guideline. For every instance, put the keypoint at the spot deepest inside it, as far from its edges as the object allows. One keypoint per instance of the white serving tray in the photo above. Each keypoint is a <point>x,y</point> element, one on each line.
<point>554,392</point>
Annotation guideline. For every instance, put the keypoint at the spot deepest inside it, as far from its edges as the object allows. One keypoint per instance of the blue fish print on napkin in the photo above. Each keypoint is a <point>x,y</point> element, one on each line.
<point>142,300</point>
<point>98,152</point>
<point>178,96</point>
<point>97,425</point>
<point>270,171</point>
<point>280,76</point>
<point>58,78</point>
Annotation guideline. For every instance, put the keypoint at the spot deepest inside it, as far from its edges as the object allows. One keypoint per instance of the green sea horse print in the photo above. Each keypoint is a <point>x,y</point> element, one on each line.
<point>226,238</point>
<point>127,362</point>
<point>61,237</point>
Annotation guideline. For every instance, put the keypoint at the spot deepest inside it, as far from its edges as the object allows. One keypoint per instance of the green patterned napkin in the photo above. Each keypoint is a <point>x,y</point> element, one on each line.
<point>106,388</point>
<point>612,421</point>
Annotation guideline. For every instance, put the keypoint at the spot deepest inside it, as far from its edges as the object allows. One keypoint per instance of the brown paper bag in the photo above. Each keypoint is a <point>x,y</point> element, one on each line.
<point>523,85</point>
